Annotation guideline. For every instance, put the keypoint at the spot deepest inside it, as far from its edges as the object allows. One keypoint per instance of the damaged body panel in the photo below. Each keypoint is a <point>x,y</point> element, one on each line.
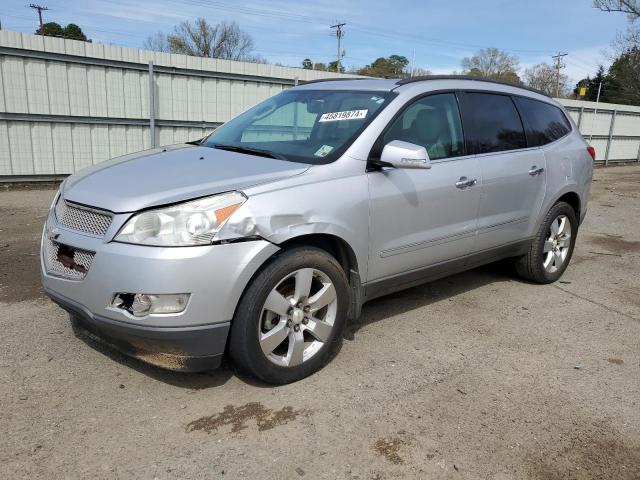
<point>291,212</point>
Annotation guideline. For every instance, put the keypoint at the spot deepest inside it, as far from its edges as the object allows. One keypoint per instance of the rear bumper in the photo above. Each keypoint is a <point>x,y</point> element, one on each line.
<point>185,349</point>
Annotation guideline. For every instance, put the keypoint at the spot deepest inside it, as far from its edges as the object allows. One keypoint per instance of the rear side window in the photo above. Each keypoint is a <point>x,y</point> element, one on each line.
<point>491,123</point>
<point>544,122</point>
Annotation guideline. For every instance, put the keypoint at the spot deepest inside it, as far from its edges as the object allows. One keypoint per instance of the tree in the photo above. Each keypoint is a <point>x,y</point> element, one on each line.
<point>200,39</point>
<point>630,7</point>
<point>391,67</point>
<point>157,43</point>
<point>333,67</point>
<point>74,32</point>
<point>71,31</point>
<point>544,77</point>
<point>421,72</point>
<point>492,63</point>
<point>51,29</point>
<point>621,84</point>
<point>321,67</point>
<point>601,82</point>
<point>307,64</point>
<point>630,38</point>
<point>623,78</point>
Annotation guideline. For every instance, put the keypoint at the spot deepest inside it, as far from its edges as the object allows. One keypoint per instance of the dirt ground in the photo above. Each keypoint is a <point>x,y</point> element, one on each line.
<point>475,376</point>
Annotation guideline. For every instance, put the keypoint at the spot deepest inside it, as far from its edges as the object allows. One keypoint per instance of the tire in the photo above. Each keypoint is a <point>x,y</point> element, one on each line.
<point>535,266</point>
<point>262,319</point>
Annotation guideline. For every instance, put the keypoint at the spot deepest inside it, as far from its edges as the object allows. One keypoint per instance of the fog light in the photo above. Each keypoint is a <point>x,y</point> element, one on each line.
<point>142,304</point>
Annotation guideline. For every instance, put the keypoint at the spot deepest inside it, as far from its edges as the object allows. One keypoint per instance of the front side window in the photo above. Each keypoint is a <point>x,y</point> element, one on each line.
<point>544,122</point>
<point>491,123</point>
<point>308,126</point>
<point>432,122</point>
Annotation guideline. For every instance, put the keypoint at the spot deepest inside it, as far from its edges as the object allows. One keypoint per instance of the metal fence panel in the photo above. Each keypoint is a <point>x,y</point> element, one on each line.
<point>65,105</point>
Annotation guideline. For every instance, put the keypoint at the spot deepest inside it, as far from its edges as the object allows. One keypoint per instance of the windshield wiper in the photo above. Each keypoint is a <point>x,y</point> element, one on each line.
<point>250,151</point>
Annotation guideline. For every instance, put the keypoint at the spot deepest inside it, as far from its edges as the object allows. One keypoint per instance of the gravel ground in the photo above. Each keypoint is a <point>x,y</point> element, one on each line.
<point>479,375</point>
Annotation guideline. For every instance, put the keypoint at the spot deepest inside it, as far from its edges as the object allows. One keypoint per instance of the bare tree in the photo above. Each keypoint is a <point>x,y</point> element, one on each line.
<point>421,72</point>
<point>157,43</point>
<point>200,39</point>
<point>543,77</point>
<point>492,63</point>
<point>630,38</point>
<point>630,7</point>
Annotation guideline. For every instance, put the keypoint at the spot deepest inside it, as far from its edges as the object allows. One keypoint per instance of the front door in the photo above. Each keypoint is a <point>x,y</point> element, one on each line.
<point>420,218</point>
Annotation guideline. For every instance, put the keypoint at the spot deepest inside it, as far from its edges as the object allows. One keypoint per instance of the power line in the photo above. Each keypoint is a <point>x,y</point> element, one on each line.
<point>39,9</point>
<point>559,65</point>
<point>339,35</point>
<point>361,27</point>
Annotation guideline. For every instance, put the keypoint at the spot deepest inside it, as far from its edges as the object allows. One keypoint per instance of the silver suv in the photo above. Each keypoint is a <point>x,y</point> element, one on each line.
<point>263,239</point>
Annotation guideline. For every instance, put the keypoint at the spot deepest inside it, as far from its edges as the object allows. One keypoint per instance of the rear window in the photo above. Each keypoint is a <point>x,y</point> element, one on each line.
<point>544,122</point>
<point>491,123</point>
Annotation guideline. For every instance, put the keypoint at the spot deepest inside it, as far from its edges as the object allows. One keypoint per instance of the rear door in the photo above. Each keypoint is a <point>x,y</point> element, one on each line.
<point>420,218</point>
<point>513,175</point>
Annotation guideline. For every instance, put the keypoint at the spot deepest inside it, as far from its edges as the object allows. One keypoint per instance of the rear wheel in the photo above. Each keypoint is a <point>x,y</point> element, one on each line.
<point>290,320</point>
<point>552,247</point>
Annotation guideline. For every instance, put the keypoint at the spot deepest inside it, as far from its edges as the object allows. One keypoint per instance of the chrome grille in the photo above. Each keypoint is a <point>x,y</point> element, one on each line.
<point>56,267</point>
<point>82,219</point>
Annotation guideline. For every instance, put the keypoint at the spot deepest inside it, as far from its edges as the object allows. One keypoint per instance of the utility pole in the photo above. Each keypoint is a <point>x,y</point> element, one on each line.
<point>559,65</point>
<point>339,35</point>
<point>39,9</point>
<point>413,63</point>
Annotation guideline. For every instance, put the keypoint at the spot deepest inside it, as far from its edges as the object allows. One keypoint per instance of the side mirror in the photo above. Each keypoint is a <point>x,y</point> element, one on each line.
<point>401,154</point>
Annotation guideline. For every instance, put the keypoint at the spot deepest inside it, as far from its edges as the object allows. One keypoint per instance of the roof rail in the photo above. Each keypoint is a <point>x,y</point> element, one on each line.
<point>423,78</point>
<point>339,79</point>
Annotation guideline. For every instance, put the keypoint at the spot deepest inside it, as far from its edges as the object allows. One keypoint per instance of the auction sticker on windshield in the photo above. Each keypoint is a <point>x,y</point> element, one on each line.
<point>346,115</point>
<point>323,151</point>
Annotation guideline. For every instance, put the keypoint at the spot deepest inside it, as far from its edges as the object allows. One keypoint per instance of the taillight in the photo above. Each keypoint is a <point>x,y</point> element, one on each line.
<point>592,152</point>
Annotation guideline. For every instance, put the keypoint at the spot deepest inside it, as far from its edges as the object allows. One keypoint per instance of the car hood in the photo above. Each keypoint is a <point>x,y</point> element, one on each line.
<point>169,175</point>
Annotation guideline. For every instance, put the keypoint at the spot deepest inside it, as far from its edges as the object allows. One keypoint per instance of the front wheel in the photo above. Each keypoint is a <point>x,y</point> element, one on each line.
<point>290,319</point>
<point>552,247</point>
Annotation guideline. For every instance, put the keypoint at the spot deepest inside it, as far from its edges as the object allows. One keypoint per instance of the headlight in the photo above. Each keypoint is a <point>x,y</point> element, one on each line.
<point>190,223</point>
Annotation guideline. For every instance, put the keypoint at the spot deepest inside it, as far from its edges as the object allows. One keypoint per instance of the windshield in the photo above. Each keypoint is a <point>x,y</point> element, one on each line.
<point>308,126</point>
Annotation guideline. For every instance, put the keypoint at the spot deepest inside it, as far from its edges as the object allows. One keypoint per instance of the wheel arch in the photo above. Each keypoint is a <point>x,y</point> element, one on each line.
<point>332,244</point>
<point>344,253</point>
<point>570,195</point>
<point>335,246</point>
<point>573,199</point>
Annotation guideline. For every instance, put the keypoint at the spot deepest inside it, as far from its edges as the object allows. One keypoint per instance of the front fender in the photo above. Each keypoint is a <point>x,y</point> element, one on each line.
<point>337,207</point>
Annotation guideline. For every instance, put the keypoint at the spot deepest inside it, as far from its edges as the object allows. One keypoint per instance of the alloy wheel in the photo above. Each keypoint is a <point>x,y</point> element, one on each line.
<point>297,318</point>
<point>556,246</point>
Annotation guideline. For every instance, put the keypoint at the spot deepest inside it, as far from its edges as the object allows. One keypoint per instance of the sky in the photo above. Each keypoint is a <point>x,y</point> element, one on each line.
<point>440,32</point>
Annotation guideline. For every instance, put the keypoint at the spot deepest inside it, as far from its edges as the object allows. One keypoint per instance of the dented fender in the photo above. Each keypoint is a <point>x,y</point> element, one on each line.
<point>337,207</point>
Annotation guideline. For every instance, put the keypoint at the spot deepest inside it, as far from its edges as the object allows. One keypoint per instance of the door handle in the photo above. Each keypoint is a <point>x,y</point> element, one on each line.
<point>535,170</point>
<point>464,182</point>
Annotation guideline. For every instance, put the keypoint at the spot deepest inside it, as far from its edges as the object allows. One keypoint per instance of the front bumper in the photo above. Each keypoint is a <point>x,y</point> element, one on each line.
<point>214,275</point>
<point>184,349</point>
